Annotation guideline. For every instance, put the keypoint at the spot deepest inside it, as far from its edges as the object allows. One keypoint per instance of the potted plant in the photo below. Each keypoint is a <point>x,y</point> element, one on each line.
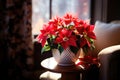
<point>66,34</point>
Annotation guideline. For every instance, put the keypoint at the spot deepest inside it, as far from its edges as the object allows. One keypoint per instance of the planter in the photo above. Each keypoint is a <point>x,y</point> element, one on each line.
<point>66,58</point>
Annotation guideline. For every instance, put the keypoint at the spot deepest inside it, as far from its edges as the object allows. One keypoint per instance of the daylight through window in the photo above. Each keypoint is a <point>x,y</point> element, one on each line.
<point>41,14</point>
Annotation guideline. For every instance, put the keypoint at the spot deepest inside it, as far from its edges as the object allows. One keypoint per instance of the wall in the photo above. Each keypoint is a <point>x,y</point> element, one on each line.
<point>105,10</point>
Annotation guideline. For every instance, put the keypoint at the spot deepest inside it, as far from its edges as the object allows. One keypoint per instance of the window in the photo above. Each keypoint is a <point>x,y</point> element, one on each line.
<point>41,11</point>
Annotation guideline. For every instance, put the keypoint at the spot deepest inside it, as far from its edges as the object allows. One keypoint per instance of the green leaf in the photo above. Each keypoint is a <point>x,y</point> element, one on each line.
<point>74,49</point>
<point>85,50</point>
<point>91,41</point>
<point>54,46</point>
<point>92,47</point>
<point>60,48</point>
<point>45,48</point>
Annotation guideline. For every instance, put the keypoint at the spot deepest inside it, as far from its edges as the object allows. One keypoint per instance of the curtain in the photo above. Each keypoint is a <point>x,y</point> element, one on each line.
<point>16,47</point>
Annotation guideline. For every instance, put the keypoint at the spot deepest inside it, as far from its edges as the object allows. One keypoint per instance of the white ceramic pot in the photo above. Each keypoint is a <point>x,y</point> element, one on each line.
<point>66,58</point>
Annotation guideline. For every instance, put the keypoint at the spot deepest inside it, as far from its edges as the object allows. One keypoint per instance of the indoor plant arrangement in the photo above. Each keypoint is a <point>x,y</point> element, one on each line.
<point>67,32</point>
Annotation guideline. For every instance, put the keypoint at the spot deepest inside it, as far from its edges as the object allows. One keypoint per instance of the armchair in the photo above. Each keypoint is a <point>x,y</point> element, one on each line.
<point>108,34</point>
<point>108,49</point>
<point>110,63</point>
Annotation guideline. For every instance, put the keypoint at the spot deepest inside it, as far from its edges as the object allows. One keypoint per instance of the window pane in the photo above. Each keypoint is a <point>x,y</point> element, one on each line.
<point>81,8</point>
<point>40,14</point>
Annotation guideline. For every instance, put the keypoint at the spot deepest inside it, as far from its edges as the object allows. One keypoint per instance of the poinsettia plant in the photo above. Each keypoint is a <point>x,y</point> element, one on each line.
<point>67,31</point>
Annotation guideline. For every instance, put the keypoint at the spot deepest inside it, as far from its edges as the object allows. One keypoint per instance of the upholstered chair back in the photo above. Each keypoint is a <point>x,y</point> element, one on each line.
<point>108,34</point>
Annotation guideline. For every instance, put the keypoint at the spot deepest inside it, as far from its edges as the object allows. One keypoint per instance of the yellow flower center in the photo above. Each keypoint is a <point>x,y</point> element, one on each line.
<point>85,34</point>
<point>65,39</point>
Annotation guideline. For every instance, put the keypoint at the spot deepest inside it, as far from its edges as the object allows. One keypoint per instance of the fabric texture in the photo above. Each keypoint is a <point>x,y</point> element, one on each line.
<point>110,63</point>
<point>107,34</point>
<point>16,47</point>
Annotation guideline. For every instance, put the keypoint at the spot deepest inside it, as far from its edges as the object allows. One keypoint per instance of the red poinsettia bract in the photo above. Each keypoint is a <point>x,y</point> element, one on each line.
<point>66,39</point>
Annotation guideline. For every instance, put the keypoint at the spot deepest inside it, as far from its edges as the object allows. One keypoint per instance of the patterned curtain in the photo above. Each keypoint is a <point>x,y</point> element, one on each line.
<point>16,47</point>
